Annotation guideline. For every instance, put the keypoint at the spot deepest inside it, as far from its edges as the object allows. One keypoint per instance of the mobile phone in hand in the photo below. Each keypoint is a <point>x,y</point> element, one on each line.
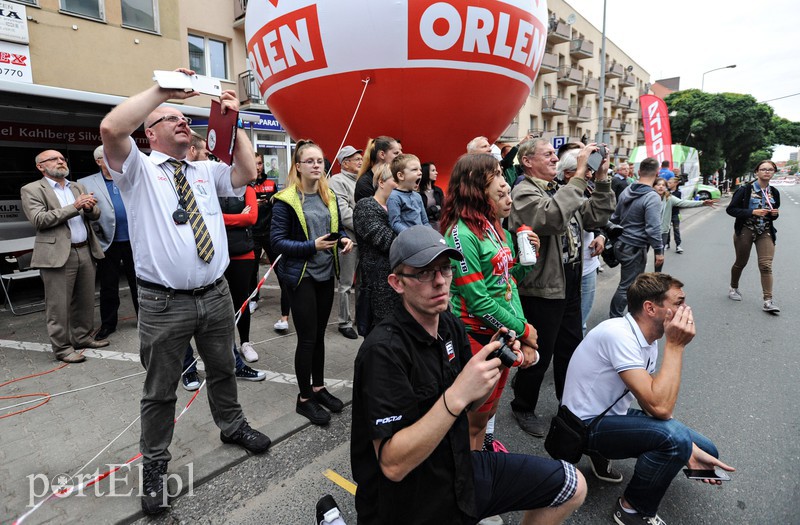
<point>333,236</point>
<point>710,474</point>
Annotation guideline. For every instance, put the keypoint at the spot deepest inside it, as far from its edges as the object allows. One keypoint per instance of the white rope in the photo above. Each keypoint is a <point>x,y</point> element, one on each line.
<point>346,133</point>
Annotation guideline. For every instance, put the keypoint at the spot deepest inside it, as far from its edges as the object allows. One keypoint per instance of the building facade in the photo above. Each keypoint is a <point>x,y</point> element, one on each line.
<point>565,100</point>
<point>65,63</point>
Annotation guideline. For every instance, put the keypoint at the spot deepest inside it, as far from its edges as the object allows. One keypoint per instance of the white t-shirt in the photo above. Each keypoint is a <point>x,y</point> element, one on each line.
<point>590,264</point>
<point>593,381</point>
<point>164,252</point>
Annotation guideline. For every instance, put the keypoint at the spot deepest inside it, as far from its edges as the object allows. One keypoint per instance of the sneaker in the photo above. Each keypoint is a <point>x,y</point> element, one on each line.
<point>253,306</point>
<point>491,520</point>
<point>603,470</point>
<point>313,411</point>
<point>153,500</point>
<point>248,438</point>
<point>678,249</point>
<point>530,423</point>
<point>348,332</point>
<point>190,381</point>
<point>770,307</point>
<point>328,511</point>
<point>328,400</point>
<point>734,295</point>
<point>666,246</point>
<point>626,518</point>
<point>281,325</point>
<point>248,374</point>
<point>248,352</point>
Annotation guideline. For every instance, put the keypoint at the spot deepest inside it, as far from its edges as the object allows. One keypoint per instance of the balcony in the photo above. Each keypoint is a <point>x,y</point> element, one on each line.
<point>549,63</point>
<point>627,80</point>
<point>554,106</point>
<point>611,94</point>
<point>613,124</point>
<point>590,85</point>
<point>623,102</point>
<point>559,33</point>
<point>645,88</point>
<point>511,134</point>
<point>633,107</point>
<point>622,152</point>
<point>614,70</point>
<point>626,128</point>
<point>248,89</point>
<point>581,48</point>
<point>580,113</point>
<point>640,136</point>
<point>239,10</point>
<point>570,76</point>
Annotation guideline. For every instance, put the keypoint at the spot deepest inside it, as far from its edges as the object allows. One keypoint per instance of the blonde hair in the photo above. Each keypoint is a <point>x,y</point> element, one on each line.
<point>294,177</point>
<point>382,143</point>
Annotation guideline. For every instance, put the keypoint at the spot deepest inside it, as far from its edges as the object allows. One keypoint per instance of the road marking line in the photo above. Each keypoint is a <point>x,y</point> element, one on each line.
<point>275,377</point>
<point>345,483</point>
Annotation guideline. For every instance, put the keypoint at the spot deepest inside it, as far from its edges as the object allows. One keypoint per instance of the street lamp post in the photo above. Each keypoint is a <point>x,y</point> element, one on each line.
<point>703,81</point>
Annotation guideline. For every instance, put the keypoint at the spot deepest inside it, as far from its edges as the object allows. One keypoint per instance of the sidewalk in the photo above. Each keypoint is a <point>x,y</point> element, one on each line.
<point>63,435</point>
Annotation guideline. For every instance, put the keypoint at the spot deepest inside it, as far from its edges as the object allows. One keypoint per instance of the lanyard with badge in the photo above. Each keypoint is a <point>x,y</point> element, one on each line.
<point>180,215</point>
<point>505,258</point>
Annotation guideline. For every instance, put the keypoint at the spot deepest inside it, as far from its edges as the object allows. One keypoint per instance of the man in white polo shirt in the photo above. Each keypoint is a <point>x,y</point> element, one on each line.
<point>619,357</point>
<point>180,253</point>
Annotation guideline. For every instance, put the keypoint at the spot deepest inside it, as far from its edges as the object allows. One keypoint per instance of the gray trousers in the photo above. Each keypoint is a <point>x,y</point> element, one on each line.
<point>69,301</point>
<point>347,275</point>
<point>167,322</point>
<point>632,262</point>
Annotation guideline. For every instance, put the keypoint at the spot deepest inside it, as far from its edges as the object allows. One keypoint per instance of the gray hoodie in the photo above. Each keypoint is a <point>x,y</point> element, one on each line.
<point>639,213</point>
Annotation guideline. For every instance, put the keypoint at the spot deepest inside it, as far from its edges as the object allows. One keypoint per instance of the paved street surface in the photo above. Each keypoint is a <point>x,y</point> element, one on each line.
<point>739,388</point>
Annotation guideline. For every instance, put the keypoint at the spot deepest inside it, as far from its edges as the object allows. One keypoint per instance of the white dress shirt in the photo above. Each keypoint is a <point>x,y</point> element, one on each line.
<point>77,229</point>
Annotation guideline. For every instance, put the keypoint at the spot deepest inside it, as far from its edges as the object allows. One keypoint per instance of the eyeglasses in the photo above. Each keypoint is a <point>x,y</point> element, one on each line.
<point>172,119</point>
<point>355,159</point>
<point>766,170</point>
<point>57,159</point>
<point>311,162</point>
<point>426,276</point>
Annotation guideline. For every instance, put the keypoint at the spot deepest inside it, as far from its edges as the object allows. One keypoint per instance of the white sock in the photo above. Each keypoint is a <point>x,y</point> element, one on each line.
<point>490,426</point>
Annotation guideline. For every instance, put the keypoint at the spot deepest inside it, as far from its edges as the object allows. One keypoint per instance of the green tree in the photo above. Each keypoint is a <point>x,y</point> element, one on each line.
<point>730,129</point>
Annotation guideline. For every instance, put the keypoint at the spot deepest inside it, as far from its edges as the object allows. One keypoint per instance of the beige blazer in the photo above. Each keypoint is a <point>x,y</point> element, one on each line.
<point>49,219</point>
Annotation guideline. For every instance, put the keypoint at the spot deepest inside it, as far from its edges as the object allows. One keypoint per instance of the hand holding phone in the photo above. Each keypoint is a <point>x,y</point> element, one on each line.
<point>706,474</point>
<point>333,236</point>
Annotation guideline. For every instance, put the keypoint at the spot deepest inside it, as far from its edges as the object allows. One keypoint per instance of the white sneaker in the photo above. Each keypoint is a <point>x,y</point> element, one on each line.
<point>491,520</point>
<point>248,352</point>
<point>253,306</point>
<point>678,249</point>
<point>770,307</point>
<point>281,325</point>
<point>734,295</point>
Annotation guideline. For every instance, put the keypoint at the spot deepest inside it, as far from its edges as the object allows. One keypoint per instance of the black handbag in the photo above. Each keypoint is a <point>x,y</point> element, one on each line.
<point>611,232</point>
<point>568,434</point>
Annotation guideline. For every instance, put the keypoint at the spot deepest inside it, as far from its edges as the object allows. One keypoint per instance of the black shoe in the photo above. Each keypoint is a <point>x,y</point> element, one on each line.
<point>313,411</point>
<point>103,333</point>
<point>248,438</point>
<point>603,470</point>
<point>530,423</point>
<point>327,510</point>
<point>626,518</point>
<point>348,332</point>
<point>153,499</point>
<point>190,381</point>
<point>248,374</point>
<point>328,400</point>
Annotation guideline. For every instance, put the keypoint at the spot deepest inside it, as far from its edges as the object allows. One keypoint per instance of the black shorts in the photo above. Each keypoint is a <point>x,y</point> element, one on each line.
<point>510,482</point>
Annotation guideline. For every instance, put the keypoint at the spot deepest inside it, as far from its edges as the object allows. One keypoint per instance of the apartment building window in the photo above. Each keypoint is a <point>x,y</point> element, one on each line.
<point>208,56</point>
<point>140,14</point>
<point>533,122</point>
<point>559,129</point>
<point>29,2</point>
<point>88,8</point>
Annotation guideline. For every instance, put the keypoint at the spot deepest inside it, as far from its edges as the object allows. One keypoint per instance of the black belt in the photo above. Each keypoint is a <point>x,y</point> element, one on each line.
<point>196,291</point>
<point>79,244</point>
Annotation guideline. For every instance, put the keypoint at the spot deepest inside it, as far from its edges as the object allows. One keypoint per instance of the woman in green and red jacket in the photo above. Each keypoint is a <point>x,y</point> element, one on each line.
<point>484,289</point>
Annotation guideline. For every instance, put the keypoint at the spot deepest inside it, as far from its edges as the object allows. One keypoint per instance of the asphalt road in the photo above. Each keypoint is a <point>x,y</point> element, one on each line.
<point>739,387</point>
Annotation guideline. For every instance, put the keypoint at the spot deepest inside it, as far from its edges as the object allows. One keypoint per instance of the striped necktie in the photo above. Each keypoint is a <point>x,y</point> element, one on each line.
<point>202,239</point>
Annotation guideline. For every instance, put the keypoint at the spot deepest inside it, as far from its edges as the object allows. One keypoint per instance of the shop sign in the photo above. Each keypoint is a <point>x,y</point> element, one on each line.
<point>13,23</point>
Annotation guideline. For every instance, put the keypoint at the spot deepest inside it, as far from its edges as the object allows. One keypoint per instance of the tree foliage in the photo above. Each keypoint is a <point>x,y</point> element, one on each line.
<point>727,128</point>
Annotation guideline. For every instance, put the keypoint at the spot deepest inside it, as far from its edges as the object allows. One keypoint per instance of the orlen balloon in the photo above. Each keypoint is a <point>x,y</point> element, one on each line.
<point>440,72</point>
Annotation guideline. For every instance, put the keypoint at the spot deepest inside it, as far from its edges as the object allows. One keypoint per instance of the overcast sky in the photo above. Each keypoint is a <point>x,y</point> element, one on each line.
<point>683,38</point>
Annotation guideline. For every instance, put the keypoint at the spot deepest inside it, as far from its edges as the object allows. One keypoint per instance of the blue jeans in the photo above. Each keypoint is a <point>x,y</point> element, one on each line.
<point>167,322</point>
<point>588,286</point>
<point>632,262</point>
<point>190,365</point>
<point>662,449</point>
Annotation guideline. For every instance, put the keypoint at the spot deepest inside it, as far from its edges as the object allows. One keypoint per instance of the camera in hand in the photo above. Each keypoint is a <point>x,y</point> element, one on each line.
<point>507,356</point>
<point>597,158</point>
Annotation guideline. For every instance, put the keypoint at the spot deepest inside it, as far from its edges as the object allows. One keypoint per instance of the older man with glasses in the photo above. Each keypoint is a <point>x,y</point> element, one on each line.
<point>64,251</point>
<point>551,293</point>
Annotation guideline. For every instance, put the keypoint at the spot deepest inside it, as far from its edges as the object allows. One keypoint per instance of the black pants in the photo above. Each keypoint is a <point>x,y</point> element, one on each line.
<point>238,276</point>
<point>118,256</point>
<point>558,324</point>
<point>262,244</point>
<point>309,356</point>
